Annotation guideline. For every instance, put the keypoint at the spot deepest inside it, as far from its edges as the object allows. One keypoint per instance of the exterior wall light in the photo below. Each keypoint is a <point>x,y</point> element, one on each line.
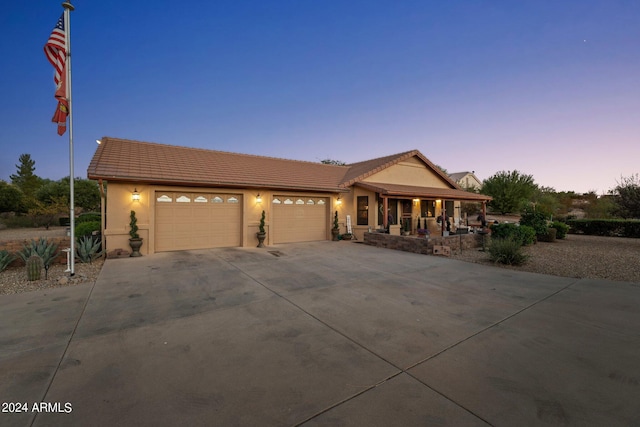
<point>135,196</point>
<point>258,198</point>
<point>339,201</point>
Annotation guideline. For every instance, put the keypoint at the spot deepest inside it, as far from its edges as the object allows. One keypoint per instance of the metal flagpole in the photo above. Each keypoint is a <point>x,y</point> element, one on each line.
<point>68,8</point>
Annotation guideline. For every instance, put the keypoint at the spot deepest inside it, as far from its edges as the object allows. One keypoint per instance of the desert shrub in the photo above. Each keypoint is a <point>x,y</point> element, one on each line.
<point>19,221</point>
<point>561,229</point>
<point>88,217</point>
<point>5,259</point>
<point>45,250</point>
<point>523,233</point>
<point>506,251</point>
<point>87,228</point>
<point>88,248</point>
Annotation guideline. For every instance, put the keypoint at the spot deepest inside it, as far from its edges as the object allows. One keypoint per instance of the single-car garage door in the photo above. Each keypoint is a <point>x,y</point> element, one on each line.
<point>299,219</point>
<point>197,220</point>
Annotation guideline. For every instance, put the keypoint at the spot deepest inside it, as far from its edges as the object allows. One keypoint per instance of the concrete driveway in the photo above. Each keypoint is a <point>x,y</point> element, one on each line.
<point>321,334</point>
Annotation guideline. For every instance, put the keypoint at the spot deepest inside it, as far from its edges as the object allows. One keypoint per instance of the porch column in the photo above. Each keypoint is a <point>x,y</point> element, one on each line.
<point>444,217</point>
<point>484,209</point>
<point>385,215</point>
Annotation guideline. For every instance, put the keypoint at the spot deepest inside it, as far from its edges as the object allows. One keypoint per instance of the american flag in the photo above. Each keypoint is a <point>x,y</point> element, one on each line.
<point>56,52</point>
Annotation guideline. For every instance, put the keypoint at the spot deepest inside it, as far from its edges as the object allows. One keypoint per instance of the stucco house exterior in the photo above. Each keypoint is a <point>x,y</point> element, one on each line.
<point>466,180</point>
<point>190,198</point>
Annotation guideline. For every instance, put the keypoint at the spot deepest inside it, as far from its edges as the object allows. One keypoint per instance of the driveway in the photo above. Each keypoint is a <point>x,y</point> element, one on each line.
<point>321,334</point>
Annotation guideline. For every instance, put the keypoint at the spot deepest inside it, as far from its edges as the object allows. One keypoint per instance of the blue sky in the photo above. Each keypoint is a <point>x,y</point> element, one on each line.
<point>550,88</point>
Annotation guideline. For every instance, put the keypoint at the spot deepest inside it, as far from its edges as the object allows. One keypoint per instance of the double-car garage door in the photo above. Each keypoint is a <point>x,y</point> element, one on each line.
<point>187,220</point>
<point>299,219</point>
<point>197,221</point>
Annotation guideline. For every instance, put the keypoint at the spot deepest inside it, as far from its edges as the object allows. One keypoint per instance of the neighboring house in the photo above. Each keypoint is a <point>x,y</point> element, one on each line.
<point>466,180</point>
<point>189,198</point>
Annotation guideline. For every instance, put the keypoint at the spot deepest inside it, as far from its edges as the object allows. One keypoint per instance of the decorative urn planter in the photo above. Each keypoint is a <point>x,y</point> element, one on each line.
<point>135,246</point>
<point>261,236</point>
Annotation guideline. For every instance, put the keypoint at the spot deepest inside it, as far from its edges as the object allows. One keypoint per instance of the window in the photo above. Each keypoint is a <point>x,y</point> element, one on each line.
<point>217,199</point>
<point>183,199</point>
<point>363,210</point>
<point>427,208</point>
<point>277,201</point>
<point>164,199</point>
<point>311,202</point>
<point>200,199</point>
<point>299,202</point>
<point>232,199</point>
<point>288,201</point>
<point>321,202</point>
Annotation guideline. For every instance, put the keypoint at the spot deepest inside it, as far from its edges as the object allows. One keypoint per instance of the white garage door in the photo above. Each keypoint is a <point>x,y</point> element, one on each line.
<point>197,221</point>
<point>299,219</point>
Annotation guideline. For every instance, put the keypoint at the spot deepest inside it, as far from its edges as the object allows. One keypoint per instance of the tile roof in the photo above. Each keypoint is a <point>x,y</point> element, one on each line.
<point>127,160</point>
<point>422,192</point>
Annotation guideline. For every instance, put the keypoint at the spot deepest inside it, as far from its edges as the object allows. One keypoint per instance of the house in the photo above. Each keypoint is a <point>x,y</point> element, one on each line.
<point>466,180</point>
<point>189,198</point>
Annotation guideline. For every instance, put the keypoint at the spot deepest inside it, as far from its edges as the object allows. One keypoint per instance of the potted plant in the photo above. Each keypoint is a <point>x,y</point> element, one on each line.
<point>261,234</point>
<point>424,231</point>
<point>335,231</point>
<point>404,225</point>
<point>135,241</point>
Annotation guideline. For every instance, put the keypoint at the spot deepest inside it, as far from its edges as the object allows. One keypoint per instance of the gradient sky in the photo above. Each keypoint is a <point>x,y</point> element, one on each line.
<point>549,88</point>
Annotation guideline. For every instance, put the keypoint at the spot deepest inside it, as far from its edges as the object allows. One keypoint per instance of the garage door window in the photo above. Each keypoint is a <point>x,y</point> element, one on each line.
<point>200,199</point>
<point>232,199</point>
<point>164,199</point>
<point>183,199</point>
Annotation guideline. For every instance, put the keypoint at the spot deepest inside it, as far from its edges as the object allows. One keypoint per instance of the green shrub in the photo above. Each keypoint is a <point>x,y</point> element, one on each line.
<point>561,229</point>
<point>549,236</point>
<point>506,251</point>
<point>521,233</point>
<point>87,228</point>
<point>535,219</point>
<point>45,250</point>
<point>88,248</point>
<point>6,258</point>
<point>606,227</point>
<point>88,217</point>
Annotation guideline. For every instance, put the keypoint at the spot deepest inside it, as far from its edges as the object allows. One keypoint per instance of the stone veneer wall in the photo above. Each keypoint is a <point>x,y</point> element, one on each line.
<point>421,245</point>
<point>14,246</point>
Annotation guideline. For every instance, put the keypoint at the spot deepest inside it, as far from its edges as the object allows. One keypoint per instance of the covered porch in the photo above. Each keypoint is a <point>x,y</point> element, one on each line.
<point>412,210</point>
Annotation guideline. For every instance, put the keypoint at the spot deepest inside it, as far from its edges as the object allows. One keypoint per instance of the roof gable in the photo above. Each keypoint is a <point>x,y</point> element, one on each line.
<point>358,172</point>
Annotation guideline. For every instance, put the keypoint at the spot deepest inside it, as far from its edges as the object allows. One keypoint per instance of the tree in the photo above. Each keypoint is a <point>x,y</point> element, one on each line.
<point>627,197</point>
<point>11,198</point>
<point>511,191</point>
<point>86,193</point>
<point>25,178</point>
<point>333,162</point>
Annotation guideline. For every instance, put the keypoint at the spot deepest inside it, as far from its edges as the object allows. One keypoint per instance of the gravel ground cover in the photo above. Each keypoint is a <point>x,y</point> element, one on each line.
<point>613,258</point>
<point>13,280</point>
<point>580,256</point>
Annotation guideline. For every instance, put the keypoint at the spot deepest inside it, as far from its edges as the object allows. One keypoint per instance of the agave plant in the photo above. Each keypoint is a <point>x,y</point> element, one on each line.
<point>88,249</point>
<point>45,250</point>
<point>5,259</point>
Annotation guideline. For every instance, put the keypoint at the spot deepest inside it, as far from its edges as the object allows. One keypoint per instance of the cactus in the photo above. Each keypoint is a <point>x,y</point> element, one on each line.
<point>34,267</point>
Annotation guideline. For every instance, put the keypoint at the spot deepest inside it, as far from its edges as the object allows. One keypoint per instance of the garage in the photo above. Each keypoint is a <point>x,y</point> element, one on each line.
<point>197,220</point>
<point>299,219</point>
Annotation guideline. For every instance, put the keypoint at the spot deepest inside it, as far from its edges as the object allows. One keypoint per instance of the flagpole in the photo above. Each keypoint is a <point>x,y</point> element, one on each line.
<point>68,8</point>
